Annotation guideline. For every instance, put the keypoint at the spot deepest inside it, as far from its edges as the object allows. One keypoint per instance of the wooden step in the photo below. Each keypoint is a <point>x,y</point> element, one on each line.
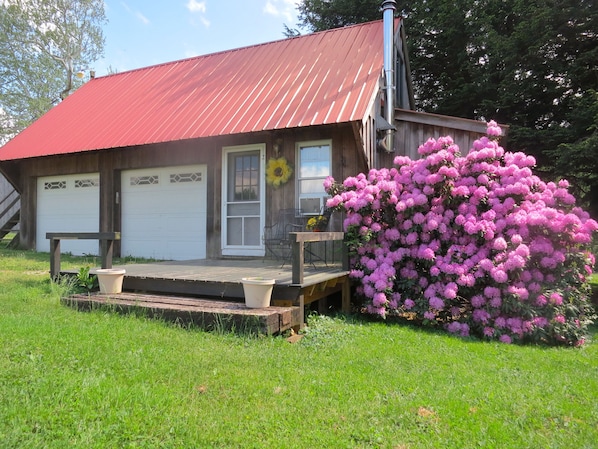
<point>207,314</point>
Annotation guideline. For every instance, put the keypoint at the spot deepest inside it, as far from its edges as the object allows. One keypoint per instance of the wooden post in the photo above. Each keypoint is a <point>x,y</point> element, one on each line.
<point>346,295</point>
<point>298,252</point>
<point>54,258</point>
<point>107,250</point>
<point>301,324</point>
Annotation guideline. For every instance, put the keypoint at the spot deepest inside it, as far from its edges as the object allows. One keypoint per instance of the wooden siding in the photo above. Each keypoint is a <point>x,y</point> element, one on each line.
<point>414,128</point>
<point>347,160</point>
<point>369,142</point>
<point>353,151</point>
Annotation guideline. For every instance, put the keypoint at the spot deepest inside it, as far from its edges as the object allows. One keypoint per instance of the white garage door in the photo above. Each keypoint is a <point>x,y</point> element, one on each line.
<point>68,204</point>
<point>164,213</point>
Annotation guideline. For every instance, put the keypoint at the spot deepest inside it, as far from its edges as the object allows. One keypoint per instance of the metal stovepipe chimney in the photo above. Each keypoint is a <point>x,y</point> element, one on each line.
<point>388,10</point>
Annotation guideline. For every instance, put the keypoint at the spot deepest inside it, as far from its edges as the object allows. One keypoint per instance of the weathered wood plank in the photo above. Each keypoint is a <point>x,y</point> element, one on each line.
<point>83,235</point>
<point>207,314</point>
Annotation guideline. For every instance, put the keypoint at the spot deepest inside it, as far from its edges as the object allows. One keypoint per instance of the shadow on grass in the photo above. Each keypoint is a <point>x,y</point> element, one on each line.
<point>360,318</point>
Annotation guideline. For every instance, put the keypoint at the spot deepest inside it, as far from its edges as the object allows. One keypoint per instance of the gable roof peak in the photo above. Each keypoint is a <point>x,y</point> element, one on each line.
<point>316,79</point>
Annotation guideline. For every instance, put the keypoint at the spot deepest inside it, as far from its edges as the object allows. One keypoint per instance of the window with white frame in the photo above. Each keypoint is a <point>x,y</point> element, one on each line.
<point>314,165</point>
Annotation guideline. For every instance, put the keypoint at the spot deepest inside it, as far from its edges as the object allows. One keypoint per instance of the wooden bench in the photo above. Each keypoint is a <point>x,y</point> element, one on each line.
<point>106,246</point>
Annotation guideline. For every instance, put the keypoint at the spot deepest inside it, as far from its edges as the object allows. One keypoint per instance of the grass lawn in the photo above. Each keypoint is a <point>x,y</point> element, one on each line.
<point>101,380</point>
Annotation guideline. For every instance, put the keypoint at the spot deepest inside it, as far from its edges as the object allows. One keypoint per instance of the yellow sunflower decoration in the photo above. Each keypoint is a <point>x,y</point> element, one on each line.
<point>278,171</point>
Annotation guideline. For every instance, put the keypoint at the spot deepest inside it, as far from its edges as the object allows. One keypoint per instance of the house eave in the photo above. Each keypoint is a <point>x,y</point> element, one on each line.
<point>446,121</point>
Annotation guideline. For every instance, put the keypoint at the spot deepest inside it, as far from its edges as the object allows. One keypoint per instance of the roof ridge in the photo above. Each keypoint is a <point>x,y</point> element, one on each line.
<point>232,50</point>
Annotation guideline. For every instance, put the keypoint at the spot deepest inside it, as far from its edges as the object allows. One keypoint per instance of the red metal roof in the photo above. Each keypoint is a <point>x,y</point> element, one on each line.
<point>320,78</point>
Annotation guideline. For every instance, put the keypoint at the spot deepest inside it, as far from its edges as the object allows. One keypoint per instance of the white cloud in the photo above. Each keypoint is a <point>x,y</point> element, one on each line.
<point>270,8</point>
<point>195,6</point>
<point>142,18</point>
<point>284,8</point>
<point>199,7</point>
<point>136,14</point>
<point>190,54</point>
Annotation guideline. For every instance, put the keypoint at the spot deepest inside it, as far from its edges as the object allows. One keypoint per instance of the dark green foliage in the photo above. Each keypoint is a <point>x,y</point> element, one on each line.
<point>319,15</point>
<point>579,159</point>
<point>528,64</point>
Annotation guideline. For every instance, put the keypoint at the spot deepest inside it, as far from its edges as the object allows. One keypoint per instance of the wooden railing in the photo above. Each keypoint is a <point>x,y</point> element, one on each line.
<point>106,246</point>
<point>298,240</point>
<point>320,291</point>
<point>8,212</point>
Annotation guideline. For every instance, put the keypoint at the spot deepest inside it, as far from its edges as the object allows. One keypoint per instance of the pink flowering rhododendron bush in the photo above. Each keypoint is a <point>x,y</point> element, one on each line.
<point>477,244</point>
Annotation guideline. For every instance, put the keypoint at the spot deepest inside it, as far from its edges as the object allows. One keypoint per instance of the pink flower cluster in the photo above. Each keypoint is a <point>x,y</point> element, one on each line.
<point>478,244</point>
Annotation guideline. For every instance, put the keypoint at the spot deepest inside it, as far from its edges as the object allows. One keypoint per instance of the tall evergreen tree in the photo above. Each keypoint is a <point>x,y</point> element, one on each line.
<point>531,64</point>
<point>320,15</point>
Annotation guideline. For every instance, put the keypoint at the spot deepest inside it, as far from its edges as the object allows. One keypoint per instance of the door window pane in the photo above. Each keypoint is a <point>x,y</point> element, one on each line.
<point>234,228</point>
<point>252,234</point>
<point>244,177</point>
<point>244,209</point>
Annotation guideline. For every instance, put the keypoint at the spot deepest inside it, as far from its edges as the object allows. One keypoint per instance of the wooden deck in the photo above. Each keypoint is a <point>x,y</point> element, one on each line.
<point>216,284</point>
<point>210,290</point>
<point>221,279</point>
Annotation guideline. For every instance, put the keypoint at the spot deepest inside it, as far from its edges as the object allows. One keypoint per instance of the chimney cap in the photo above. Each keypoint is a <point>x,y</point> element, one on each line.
<point>386,4</point>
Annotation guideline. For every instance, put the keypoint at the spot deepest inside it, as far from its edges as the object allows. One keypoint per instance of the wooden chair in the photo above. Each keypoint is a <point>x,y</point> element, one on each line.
<point>276,236</point>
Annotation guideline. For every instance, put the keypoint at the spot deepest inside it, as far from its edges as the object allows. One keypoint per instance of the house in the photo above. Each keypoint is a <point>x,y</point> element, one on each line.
<point>175,156</point>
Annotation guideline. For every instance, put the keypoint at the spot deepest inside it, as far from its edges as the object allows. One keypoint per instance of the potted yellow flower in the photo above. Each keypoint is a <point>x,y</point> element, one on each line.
<point>317,224</point>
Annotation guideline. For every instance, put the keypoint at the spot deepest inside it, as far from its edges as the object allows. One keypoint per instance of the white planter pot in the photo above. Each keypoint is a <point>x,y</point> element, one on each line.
<point>110,280</point>
<point>258,292</point>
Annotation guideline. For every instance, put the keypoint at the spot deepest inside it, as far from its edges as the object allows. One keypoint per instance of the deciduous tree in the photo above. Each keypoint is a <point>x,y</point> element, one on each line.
<point>43,43</point>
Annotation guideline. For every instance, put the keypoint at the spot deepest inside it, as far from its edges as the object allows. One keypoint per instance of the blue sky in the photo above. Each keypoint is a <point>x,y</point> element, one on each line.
<point>140,33</point>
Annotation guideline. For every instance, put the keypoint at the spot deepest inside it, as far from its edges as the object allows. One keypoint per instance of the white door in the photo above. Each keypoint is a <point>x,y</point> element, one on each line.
<point>243,191</point>
<point>164,213</point>
<point>69,203</point>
